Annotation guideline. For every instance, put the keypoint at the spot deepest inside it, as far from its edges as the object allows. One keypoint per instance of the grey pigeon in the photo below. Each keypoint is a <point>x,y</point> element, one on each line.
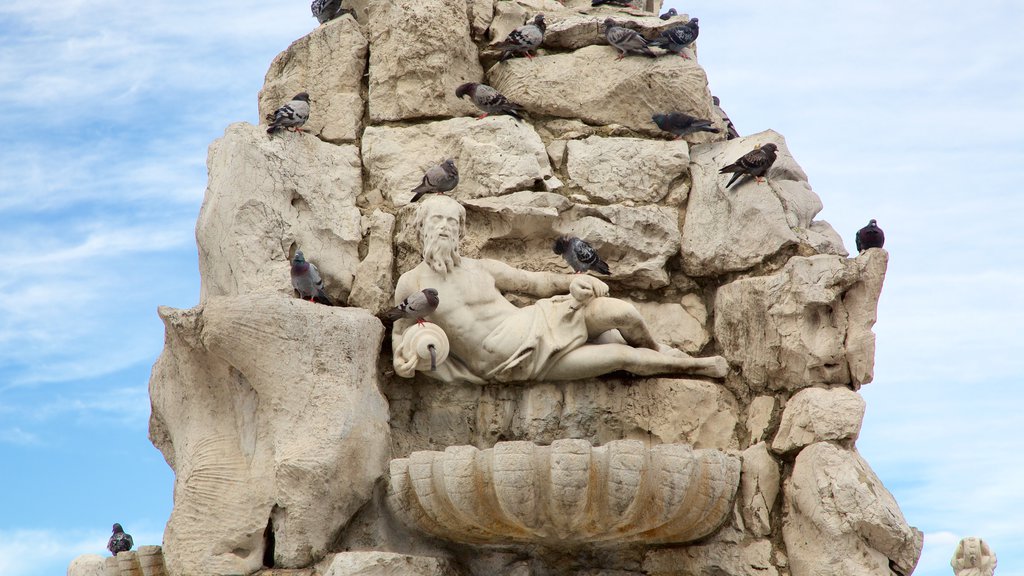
<point>682,124</point>
<point>119,541</point>
<point>671,13</point>
<point>626,41</point>
<point>524,39</point>
<point>440,178</point>
<point>306,280</point>
<point>870,236</point>
<point>579,254</point>
<point>415,306</point>
<point>290,116</point>
<point>327,10</point>
<point>623,3</point>
<point>730,129</point>
<point>488,100</point>
<point>754,163</point>
<point>675,39</point>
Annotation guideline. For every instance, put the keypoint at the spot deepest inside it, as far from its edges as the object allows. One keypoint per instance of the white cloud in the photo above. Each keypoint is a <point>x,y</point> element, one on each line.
<point>18,437</point>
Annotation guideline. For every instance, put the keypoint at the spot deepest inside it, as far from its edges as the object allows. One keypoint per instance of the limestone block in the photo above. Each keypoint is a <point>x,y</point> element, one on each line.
<point>266,198</point>
<point>419,53</point>
<point>788,331</point>
<point>551,86</point>
<point>759,488</point>
<point>574,30</point>
<point>567,492</point>
<point>88,565</point>
<point>371,288</point>
<point>128,563</point>
<point>481,13</point>
<point>861,303</point>
<point>261,404</point>
<point>759,417</point>
<point>840,519</point>
<point>818,415</point>
<point>328,63</point>
<point>674,325</point>
<point>973,557</point>
<point>151,560</point>
<point>111,566</point>
<point>496,155</point>
<point>673,410</point>
<point>728,230</point>
<point>628,170</point>
<point>386,564</point>
<point>751,558</point>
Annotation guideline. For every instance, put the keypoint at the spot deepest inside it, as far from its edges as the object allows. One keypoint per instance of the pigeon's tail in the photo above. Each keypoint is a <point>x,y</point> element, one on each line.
<point>736,176</point>
<point>602,267</point>
<point>273,128</point>
<point>418,194</point>
<point>513,113</point>
<point>322,298</point>
<point>707,128</point>
<point>393,314</point>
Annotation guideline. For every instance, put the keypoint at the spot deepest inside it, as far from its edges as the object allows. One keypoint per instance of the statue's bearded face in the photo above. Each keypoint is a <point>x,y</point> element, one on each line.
<point>440,237</point>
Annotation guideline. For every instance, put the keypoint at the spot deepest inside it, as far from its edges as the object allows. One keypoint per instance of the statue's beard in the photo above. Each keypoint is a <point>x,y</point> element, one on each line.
<point>440,253</point>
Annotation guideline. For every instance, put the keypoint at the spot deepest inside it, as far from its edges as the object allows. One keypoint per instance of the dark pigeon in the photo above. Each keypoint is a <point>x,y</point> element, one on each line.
<point>670,14</point>
<point>119,541</point>
<point>580,255</point>
<point>415,306</point>
<point>682,124</point>
<point>730,129</point>
<point>675,39</point>
<point>327,10</point>
<point>523,40</point>
<point>292,115</point>
<point>626,41</point>
<point>754,163</point>
<point>870,236</point>
<point>307,282</point>
<point>488,100</point>
<point>440,178</point>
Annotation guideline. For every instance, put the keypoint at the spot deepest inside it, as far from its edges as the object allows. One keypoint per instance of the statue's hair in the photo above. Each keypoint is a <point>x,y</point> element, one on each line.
<point>424,209</point>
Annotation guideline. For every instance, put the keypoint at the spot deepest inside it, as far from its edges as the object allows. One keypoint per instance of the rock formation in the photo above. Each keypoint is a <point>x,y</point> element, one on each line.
<point>297,439</point>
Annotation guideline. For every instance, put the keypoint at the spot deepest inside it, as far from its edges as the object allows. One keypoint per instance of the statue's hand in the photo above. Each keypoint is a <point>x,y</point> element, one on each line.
<point>585,288</point>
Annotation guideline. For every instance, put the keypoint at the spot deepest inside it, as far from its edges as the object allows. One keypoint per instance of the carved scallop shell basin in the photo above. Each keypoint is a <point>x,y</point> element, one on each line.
<point>567,493</point>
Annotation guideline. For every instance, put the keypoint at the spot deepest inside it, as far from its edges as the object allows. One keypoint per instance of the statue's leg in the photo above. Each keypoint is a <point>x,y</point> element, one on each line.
<point>603,314</point>
<point>592,360</point>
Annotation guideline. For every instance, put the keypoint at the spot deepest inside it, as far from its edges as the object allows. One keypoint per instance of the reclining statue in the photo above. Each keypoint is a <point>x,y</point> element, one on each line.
<point>492,340</point>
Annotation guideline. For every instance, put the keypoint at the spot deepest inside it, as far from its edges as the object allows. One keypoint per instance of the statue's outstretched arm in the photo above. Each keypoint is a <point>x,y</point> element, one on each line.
<point>541,284</point>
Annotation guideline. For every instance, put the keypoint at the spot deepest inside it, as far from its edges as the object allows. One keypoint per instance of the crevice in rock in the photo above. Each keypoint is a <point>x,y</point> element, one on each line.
<point>268,541</point>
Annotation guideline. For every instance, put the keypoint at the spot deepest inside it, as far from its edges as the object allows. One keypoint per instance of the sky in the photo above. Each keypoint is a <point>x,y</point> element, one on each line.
<point>908,112</point>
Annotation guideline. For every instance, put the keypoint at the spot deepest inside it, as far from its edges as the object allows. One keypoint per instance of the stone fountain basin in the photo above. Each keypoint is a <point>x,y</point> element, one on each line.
<point>567,493</point>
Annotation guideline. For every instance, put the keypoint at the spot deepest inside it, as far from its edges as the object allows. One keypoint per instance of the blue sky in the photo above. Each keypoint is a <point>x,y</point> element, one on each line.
<point>908,112</point>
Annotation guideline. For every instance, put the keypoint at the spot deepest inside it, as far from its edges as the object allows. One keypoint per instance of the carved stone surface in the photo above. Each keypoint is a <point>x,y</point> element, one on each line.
<point>817,415</point>
<point>386,564</point>
<point>759,486</point>
<point>268,197</point>
<point>788,330</point>
<point>565,493</point>
<point>371,287</point>
<point>676,325</point>
<point>259,421</point>
<point>840,519</point>
<point>628,170</point>
<point>973,557</point>
<point>328,63</point>
<point>87,565</point>
<point>753,558</point>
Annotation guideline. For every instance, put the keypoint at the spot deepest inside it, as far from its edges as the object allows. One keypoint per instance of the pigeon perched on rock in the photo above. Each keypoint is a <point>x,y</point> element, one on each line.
<point>579,254</point>
<point>440,178</point>
<point>292,115</point>
<point>682,124</point>
<point>675,39</point>
<point>870,236</point>
<point>327,10</point>
<point>416,306</point>
<point>755,163</point>
<point>671,13</point>
<point>730,129</point>
<point>626,41</point>
<point>488,100</point>
<point>306,280</point>
<point>524,39</point>
<point>119,541</point>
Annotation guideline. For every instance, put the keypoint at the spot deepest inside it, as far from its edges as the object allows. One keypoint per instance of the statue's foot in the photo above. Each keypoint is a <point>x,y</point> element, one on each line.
<point>717,367</point>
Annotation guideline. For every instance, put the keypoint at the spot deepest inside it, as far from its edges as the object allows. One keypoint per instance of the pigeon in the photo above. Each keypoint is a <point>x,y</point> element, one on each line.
<point>626,41</point>
<point>671,13</point>
<point>730,129</point>
<point>416,306</point>
<point>675,39</point>
<point>524,39</point>
<point>682,124</point>
<point>290,116</point>
<point>306,280</point>
<point>119,541</point>
<point>579,254</point>
<point>327,10</point>
<point>440,178</point>
<point>623,3</point>
<point>489,100</point>
<point>870,236</point>
<point>755,163</point>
